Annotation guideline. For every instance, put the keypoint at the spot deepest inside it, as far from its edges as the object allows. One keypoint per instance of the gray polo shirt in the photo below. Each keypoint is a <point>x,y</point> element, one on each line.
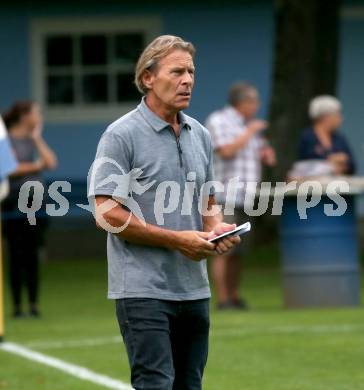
<point>146,166</point>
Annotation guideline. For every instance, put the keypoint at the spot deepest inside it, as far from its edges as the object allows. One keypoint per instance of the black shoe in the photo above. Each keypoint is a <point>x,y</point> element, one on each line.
<point>225,305</point>
<point>18,314</point>
<point>240,304</point>
<point>34,313</point>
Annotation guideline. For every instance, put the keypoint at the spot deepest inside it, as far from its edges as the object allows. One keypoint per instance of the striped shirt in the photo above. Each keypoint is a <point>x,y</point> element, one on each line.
<point>225,126</point>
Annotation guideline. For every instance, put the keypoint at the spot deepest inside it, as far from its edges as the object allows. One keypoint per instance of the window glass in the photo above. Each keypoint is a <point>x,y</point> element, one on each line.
<point>60,90</point>
<point>95,88</point>
<point>59,51</point>
<point>91,68</point>
<point>128,48</point>
<point>93,50</point>
<point>126,90</point>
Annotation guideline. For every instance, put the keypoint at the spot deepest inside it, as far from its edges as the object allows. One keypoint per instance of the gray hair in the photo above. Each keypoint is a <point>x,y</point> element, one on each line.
<point>241,91</point>
<point>155,51</point>
<point>323,105</point>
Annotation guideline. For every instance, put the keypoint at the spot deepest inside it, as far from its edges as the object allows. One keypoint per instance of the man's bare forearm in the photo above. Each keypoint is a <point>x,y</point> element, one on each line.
<point>137,232</point>
<point>230,150</point>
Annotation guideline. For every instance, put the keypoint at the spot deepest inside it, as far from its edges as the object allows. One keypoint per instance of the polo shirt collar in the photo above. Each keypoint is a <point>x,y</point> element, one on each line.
<point>157,123</point>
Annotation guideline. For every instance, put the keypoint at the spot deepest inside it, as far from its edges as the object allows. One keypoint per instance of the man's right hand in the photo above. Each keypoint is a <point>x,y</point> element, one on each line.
<point>256,125</point>
<point>194,244</point>
<point>338,158</point>
<point>339,161</point>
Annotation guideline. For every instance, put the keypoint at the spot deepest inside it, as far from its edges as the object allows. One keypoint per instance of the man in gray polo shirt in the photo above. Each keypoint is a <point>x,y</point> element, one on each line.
<point>149,183</point>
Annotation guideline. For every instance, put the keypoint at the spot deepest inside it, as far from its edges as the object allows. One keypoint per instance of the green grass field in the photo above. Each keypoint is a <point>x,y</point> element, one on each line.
<point>265,348</point>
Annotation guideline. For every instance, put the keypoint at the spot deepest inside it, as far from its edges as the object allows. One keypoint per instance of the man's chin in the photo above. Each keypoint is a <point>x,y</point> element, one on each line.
<point>183,105</point>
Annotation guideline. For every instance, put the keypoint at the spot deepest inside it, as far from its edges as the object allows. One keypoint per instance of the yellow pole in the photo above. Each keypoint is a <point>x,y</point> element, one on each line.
<point>1,287</point>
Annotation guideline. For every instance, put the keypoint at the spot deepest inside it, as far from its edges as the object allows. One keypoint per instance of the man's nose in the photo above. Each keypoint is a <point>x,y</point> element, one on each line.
<point>187,78</point>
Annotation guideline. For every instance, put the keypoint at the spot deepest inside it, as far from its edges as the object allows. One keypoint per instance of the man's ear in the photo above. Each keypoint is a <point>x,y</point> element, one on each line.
<point>148,79</point>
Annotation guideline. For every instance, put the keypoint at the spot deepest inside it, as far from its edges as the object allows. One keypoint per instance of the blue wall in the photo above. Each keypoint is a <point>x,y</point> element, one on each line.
<point>14,64</point>
<point>233,43</point>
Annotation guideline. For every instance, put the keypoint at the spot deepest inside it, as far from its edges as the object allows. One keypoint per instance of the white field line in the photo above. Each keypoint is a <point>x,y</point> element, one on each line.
<point>289,329</point>
<point>225,332</point>
<point>71,369</point>
<point>94,342</point>
<point>105,381</point>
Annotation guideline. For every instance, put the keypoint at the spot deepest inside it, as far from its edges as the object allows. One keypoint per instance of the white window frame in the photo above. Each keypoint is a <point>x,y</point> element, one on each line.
<point>40,28</point>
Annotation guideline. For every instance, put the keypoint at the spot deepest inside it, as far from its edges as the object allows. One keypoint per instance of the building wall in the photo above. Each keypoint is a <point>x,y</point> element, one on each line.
<point>233,42</point>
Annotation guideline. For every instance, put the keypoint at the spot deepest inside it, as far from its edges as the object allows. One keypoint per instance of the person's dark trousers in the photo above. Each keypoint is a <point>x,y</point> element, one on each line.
<point>23,259</point>
<point>166,342</point>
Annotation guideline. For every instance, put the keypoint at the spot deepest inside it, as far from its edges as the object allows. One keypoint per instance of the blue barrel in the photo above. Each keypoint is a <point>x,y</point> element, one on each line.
<point>320,256</point>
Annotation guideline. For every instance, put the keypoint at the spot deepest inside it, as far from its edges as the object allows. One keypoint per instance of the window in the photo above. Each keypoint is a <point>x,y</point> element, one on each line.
<point>85,70</point>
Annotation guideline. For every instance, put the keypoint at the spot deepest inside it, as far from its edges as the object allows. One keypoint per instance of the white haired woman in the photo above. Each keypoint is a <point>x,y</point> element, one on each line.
<point>323,141</point>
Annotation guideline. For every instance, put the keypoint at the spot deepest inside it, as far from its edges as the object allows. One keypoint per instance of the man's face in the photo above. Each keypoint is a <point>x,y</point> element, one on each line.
<point>249,106</point>
<point>172,82</point>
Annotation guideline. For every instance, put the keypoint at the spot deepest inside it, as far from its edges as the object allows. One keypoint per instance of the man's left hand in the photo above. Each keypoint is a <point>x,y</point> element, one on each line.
<point>268,156</point>
<point>225,244</point>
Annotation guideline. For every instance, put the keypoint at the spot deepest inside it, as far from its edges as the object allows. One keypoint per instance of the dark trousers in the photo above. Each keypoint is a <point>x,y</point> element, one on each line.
<point>166,342</point>
<point>23,259</point>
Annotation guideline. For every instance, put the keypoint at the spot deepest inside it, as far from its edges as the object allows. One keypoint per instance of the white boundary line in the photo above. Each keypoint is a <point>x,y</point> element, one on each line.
<point>71,369</point>
<point>94,342</point>
<point>223,332</point>
<point>105,381</point>
<point>289,329</point>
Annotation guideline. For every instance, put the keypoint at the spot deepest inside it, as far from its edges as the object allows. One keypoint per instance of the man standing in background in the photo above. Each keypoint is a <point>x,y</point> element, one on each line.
<point>240,150</point>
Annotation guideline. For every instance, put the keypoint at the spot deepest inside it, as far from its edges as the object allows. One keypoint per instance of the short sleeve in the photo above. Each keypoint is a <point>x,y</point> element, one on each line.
<point>110,171</point>
<point>217,129</point>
